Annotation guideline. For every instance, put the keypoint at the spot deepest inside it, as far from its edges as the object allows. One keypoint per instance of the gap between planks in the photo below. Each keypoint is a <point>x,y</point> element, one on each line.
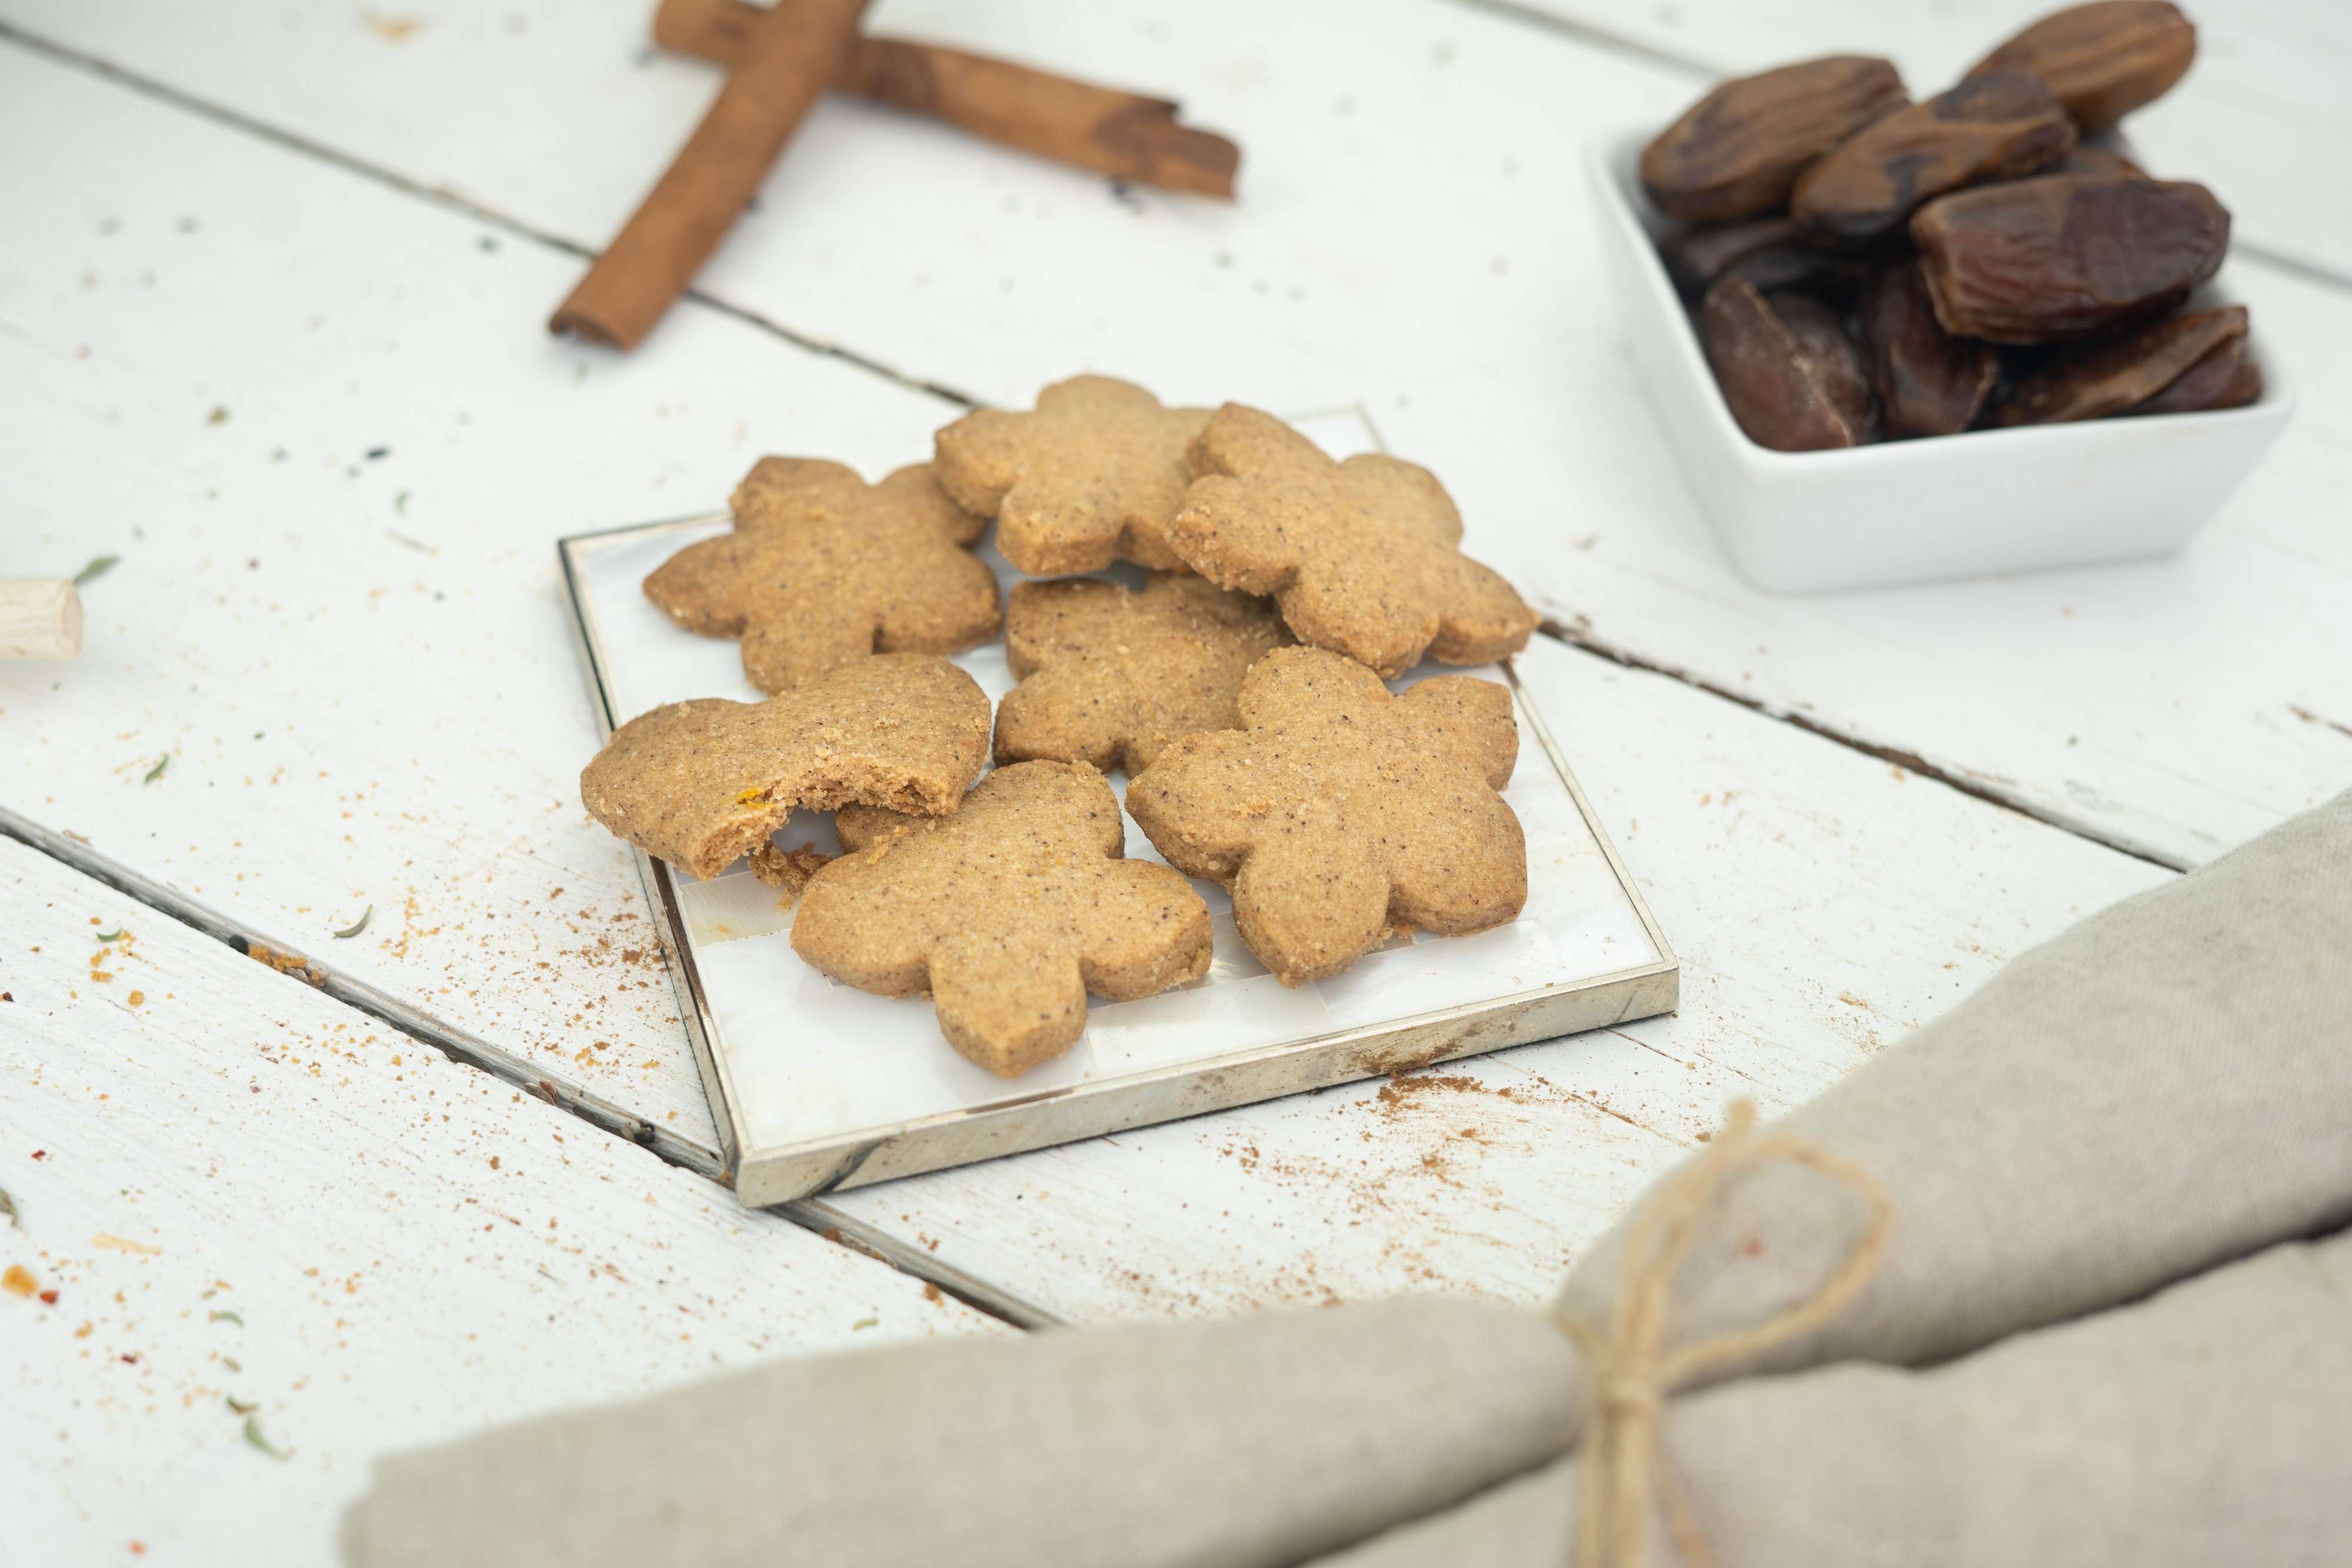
<point>1522,15</point>
<point>163,92</point>
<point>460,1046</point>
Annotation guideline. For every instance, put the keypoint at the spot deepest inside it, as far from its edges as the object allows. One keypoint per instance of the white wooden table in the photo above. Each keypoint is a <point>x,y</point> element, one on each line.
<point>271,281</point>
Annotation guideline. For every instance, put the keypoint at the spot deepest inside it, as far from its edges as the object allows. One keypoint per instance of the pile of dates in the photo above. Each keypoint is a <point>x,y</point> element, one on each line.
<point>1865,269</point>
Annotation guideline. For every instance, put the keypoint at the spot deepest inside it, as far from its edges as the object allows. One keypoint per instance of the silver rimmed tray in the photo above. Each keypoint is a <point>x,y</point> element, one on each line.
<point>816,1086</point>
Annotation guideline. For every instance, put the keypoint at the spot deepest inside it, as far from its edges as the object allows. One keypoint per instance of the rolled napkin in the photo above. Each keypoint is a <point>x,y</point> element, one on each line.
<point>2158,1091</point>
<point>2207,1425</point>
<point>1262,1440</point>
<point>2162,1088</point>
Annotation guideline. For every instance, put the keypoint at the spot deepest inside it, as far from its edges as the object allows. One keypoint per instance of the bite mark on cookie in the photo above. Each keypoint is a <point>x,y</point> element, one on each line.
<point>700,783</point>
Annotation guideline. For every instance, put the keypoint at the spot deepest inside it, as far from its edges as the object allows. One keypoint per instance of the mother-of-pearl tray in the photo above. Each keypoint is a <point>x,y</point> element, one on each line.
<point>816,1086</point>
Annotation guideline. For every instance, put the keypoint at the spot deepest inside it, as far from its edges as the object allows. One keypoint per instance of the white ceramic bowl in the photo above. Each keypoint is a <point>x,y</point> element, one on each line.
<point>1916,511</point>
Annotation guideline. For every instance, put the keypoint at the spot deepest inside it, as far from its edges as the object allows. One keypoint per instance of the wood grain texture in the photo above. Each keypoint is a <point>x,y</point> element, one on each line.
<point>243,1191</point>
<point>1419,171</point>
<point>265,385</point>
<point>1816,895</point>
<point>41,618</point>
<point>1822,903</point>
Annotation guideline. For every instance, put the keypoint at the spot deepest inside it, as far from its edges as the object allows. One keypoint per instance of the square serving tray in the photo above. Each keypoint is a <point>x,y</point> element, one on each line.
<point>816,1086</point>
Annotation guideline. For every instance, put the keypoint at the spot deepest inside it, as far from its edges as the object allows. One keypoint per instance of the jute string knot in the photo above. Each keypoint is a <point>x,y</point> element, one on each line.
<point>1625,1463</point>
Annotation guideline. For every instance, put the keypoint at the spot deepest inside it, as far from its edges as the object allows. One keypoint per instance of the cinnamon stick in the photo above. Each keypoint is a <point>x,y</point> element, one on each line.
<point>1123,134</point>
<point>787,58</point>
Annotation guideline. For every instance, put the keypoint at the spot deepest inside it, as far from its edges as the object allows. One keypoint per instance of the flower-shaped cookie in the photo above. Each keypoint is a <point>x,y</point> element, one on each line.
<point>1338,813</point>
<point>1092,476</point>
<point>1114,677</point>
<point>822,570</point>
<point>698,783</point>
<point>1361,555</point>
<point>1008,912</point>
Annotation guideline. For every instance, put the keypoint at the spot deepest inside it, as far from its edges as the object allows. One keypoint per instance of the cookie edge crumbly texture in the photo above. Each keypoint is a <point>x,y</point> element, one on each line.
<point>1022,712</point>
<point>980,488</point>
<point>705,847</point>
<point>1199,538</point>
<point>869,836</point>
<point>678,586</point>
<point>1191,853</point>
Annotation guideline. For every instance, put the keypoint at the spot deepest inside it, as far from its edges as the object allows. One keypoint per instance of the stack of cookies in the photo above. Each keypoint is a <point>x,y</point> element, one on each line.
<point>1240,689</point>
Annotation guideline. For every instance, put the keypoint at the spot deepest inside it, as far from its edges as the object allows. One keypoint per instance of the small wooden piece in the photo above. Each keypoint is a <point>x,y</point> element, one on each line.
<point>787,61</point>
<point>1123,134</point>
<point>41,618</point>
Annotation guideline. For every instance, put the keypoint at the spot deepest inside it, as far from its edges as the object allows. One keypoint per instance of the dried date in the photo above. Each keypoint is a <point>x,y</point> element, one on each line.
<point>1792,375</point>
<point>2226,378</point>
<point>2102,379</point>
<point>1739,148</point>
<point>1995,127</point>
<point>2103,60</point>
<point>2099,162</point>
<point>1766,251</point>
<point>1928,382</point>
<point>2064,258</point>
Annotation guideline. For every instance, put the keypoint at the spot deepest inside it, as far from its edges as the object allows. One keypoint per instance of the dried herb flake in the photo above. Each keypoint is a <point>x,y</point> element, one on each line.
<point>253,1436</point>
<point>356,926</point>
<point>241,1406</point>
<point>157,771</point>
<point>230,1316</point>
<point>100,565</point>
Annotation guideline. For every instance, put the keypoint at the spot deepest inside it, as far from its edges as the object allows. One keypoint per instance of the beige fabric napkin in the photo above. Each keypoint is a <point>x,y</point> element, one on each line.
<point>2163,1089</point>
<point>2206,1427</point>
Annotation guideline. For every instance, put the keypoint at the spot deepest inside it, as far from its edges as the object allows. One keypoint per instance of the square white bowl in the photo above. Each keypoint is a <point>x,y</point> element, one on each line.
<point>1984,501</point>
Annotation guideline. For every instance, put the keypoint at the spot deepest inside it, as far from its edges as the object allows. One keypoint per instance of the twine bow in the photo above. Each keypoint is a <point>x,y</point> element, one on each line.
<point>1624,1459</point>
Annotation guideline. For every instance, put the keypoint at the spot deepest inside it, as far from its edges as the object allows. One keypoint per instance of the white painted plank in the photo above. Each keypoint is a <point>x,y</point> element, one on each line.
<point>361,669</point>
<point>1867,892</point>
<point>1413,236</point>
<point>1821,903</point>
<point>410,1249</point>
<point>2262,111</point>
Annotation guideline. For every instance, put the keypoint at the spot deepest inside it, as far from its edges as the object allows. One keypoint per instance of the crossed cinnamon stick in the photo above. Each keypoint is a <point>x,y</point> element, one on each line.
<point>782,57</point>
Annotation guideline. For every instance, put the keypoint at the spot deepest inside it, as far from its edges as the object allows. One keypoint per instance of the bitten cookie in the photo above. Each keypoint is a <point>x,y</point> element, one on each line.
<point>1092,476</point>
<point>1114,678</point>
<point>1338,813</point>
<point>1361,555</point>
<point>822,570</point>
<point>698,783</point>
<point>1008,912</point>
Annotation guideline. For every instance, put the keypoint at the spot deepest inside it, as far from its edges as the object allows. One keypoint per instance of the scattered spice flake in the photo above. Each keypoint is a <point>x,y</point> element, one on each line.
<point>241,1406</point>
<point>100,565</point>
<point>931,1294</point>
<point>157,771</point>
<point>219,414</point>
<point>253,1436</point>
<point>48,1298</point>
<point>400,505</point>
<point>230,1316</point>
<point>7,995</point>
<point>17,1281</point>
<point>136,998</point>
<point>864,1323</point>
<point>8,1208</point>
<point>124,1244</point>
<point>356,926</point>
<point>113,936</point>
